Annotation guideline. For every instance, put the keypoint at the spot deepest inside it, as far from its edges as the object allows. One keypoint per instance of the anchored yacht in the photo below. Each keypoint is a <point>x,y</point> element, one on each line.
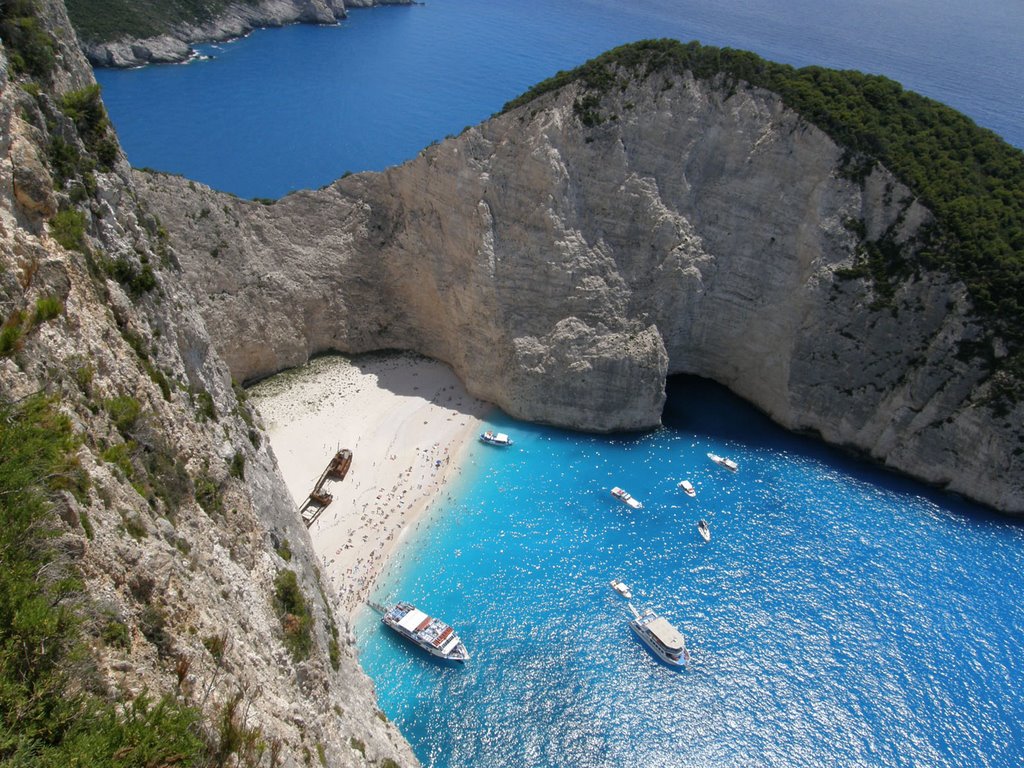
<point>432,635</point>
<point>626,499</point>
<point>660,636</point>
<point>495,438</point>
<point>729,464</point>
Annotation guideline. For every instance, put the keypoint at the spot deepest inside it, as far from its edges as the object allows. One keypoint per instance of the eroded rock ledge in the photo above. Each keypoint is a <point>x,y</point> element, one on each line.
<point>565,260</point>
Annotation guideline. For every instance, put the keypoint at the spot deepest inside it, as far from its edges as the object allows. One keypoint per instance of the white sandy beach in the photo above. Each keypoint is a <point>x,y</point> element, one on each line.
<point>405,418</point>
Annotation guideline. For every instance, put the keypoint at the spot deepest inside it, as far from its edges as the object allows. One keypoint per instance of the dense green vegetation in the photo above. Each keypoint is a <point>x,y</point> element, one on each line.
<point>293,610</point>
<point>30,48</point>
<point>969,177</point>
<point>106,20</point>
<point>68,229</point>
<point>11,331</point>
<point>86,110</point>
<point>52,711</point>
<point>47,308</point>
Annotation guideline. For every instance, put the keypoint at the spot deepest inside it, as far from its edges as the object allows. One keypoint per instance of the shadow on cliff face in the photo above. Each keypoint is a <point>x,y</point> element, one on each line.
<point>705,408</point>
<point>411,375</point>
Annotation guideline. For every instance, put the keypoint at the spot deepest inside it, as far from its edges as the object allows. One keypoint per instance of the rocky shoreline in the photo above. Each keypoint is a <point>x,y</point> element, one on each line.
<point>236,21</point>
<point>693,228</point>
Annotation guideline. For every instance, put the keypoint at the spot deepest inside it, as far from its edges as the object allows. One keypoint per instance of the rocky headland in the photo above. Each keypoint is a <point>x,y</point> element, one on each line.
<point>173,43</point>
<point>568,255</point>
<point>564,257</point>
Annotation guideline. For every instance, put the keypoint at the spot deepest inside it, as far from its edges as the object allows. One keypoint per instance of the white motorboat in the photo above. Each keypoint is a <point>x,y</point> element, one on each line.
<point>495,438</point>
<point>704,530</point>
<point>687,488</point>
<point>621,588</point>
<point>729,464</point>
<point>432,635</point>
<point>626,499</point>
<point>660,636</point>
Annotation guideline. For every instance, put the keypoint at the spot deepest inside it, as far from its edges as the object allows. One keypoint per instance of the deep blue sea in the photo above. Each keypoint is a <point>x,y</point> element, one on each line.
<point>839,616</point>
<point>295,108</point>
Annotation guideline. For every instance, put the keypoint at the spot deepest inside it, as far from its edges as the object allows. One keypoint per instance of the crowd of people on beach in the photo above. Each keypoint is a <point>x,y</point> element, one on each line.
<point>401,455</point>
<point>380,515</point>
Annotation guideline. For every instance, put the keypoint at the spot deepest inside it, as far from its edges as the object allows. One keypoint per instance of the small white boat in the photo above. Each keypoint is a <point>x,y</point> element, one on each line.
<point>687,488</point>
<point>621,588</point>
<point>626,499</point>
<point>704,530</point>
<point>729,464</point>
<point>495,438</point>
<point>660,636</point>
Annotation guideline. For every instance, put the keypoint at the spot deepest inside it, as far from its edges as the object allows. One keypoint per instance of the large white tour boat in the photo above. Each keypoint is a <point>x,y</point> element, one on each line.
<point>723,462</point>
<point>660,636</point>
<point>626,499</point>
<point>432,635</point>
<point>495,438</point>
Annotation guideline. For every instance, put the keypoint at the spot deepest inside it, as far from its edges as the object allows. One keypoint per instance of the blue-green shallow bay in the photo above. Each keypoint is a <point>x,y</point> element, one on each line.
<point>839,616</point>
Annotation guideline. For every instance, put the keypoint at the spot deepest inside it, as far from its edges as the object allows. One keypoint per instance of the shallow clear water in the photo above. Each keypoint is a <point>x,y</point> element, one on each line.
<point>839,615</point>
<point>297,107</point>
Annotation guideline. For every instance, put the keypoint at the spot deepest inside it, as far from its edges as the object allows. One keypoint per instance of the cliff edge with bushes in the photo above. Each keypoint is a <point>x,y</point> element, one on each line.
<point>844,254</point>
<point>161,602</point>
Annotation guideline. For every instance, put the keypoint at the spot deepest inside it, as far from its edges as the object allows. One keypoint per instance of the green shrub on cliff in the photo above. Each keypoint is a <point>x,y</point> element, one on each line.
<point>49,715</point>
<point>47,308</point>
<point>86,110</point>
<point>971,179</point>
<point>68,229</point>
<point>30,48</point>
<point>293,610</point>
<point>11,332</point>
<point>136,280</point>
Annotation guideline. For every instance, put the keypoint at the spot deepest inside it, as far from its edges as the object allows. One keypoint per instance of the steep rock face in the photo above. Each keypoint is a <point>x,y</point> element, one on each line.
<point>235,21</point>
<point>185,524</point>
<point>565,257</point>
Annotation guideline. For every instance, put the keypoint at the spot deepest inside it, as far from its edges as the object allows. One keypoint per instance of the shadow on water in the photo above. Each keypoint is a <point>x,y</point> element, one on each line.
<point>704,407</point>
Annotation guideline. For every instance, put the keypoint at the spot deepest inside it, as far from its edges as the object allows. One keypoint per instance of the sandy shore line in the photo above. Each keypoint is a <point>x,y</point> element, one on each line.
<point>405,418</point>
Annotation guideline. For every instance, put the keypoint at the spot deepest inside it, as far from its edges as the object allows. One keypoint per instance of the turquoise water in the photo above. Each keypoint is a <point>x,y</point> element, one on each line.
<point>297,107</point>
<point>839,616</point>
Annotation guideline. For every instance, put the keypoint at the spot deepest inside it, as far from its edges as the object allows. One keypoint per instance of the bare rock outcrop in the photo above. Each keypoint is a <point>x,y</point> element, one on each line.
<point>30,178</point>
<point>564,259</point>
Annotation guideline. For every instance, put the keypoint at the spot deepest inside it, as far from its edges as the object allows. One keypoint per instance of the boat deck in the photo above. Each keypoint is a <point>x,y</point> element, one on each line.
<point>428,632</point>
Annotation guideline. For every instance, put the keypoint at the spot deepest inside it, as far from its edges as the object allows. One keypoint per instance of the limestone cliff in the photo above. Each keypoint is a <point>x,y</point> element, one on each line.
<point>180,526</point>
<point>174,43</point>
<point>565,257</point>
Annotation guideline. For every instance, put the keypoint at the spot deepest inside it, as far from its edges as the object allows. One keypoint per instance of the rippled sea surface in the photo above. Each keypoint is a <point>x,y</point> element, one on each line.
<point>838,616</point>
<point>297,107</point>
